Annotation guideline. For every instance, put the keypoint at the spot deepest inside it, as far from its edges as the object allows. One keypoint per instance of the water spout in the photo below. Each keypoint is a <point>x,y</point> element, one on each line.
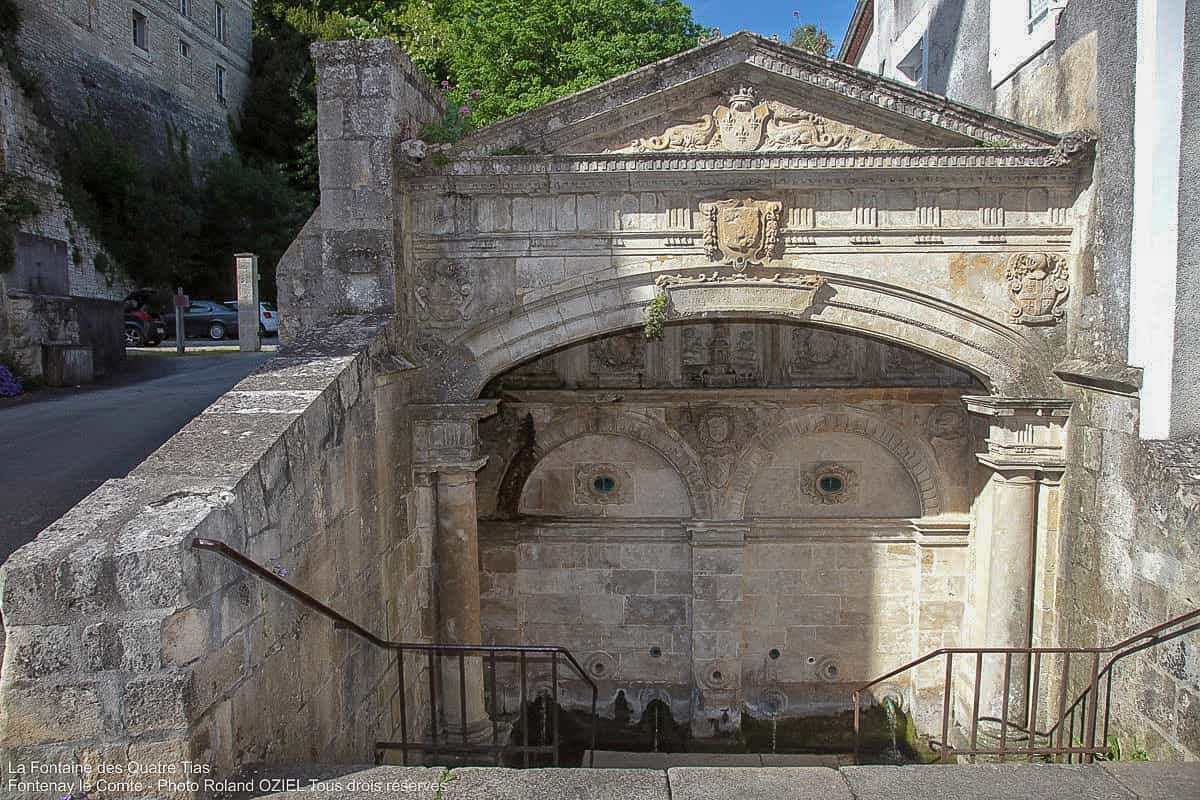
<point>891,707</point>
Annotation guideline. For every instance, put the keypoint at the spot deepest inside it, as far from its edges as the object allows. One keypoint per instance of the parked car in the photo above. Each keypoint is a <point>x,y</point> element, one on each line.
<point>268,317</point>
<point>205,318</point>
<point>143,328</point>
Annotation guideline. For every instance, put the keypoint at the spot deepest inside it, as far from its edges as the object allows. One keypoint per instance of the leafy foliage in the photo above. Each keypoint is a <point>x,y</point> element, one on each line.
<point>496,58</point>
<point>655,317</point>
<point>811,38</point>
<point>16,206</point>
<point>166,224</point>
<point>278,121</point>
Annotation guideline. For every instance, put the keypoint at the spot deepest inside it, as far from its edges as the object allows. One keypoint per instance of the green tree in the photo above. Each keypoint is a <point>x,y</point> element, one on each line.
<point>811,38</point>
<point>519,54</point>
<point>498,57</point>
<point>246,207</point>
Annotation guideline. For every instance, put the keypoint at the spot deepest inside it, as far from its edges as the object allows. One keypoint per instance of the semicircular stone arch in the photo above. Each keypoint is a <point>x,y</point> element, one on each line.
<point>1009,362</point>
<point>917,460</point>
<point>640,428</point>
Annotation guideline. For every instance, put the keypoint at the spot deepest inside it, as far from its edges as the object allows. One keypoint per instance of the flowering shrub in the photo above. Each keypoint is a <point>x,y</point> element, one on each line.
<point>10,384</point>
<point>456,122</point>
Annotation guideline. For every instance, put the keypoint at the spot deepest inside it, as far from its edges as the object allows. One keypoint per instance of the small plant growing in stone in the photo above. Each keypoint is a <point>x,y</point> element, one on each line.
<point>655,317</point>
<point>455,123</point>
<point>442,780</point>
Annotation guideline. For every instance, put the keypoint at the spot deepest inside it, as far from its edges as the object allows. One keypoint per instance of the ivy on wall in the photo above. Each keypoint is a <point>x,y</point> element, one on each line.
<point>16,206</point>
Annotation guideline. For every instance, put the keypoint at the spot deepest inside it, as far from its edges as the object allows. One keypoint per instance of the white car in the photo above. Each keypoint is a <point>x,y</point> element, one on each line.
<point>268,317</point>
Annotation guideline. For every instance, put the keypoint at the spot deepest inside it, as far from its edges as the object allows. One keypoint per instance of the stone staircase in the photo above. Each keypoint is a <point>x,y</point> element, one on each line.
<point>1112,781</point>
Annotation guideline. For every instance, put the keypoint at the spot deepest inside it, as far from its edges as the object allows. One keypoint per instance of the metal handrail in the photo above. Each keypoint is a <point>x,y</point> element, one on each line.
<point>1087,715</point>
<point>493,653</point>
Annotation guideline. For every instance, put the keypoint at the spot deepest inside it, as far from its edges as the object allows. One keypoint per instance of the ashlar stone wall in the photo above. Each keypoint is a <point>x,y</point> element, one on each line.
<point>713,567</point>
<point>126,645</point>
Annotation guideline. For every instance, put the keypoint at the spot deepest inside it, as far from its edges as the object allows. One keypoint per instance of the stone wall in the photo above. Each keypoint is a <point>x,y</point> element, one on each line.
<point>712,567</point>
<point>1127,562</point>
<point>28,322</point>
<point>123,644</point>
<point>371,98</point>
<point>1186,383</point>
<point>84,55</point>
<point>63,249</point>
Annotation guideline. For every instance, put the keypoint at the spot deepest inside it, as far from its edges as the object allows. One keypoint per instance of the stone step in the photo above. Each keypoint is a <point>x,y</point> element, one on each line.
<point>610,759</point>
<point>1116,781</point>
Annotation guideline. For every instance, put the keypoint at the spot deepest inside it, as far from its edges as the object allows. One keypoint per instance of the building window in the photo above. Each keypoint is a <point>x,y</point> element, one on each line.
<point>183,7</point>
<point>220,84</point>
<point>1037,12</point>
<point>219,21</point>
<point>185,49</point>
<point>139,31</point>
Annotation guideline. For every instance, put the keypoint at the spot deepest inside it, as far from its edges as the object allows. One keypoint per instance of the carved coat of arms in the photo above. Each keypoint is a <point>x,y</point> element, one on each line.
<point>1038,284</point>
<point>740,124</point>
<point>741,232</point>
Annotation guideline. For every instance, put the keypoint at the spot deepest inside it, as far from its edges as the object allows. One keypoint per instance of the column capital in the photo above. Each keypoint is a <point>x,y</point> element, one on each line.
<point>1025,434</point>
<point>445,436</point>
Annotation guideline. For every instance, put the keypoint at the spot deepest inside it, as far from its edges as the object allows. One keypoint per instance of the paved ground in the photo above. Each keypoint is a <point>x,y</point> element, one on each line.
<point>57,445</point>
<point>269,343</point>
<point>1117,781</point>
<point>610,759</point>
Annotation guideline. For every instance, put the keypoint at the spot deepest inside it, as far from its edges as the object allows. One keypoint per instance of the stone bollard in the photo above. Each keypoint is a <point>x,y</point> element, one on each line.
<point>247,298</point>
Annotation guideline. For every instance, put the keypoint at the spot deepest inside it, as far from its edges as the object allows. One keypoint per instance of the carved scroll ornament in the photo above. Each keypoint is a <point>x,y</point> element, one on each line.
<point>746,126</point>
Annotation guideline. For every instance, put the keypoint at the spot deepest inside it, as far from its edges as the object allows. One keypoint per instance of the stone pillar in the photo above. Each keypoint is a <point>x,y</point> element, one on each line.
<point>445,444</point>
<point>359,118</point>
<point>718,566</point>
<point>247,298</point>
<point>1024,448</point>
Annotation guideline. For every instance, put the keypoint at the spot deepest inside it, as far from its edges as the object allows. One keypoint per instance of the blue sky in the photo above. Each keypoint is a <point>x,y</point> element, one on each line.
<point>773,16</point>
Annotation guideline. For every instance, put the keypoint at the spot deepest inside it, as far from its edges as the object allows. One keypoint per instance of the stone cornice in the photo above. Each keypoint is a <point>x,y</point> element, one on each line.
<point>795,241</point>
<point>990,158</point>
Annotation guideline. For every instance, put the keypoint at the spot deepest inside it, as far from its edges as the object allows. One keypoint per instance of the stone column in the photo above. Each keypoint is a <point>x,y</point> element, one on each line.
<point>718,559</point>
<point>1024,447</point>
<point>445,444</point>
<point>247,296</point>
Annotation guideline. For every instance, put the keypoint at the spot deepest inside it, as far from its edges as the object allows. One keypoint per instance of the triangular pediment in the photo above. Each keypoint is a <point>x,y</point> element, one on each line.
<point>746,93</point>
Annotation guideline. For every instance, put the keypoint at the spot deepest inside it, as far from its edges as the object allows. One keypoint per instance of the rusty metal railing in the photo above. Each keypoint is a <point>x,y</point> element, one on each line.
<point>436,657</point>
<point>1090,710</point>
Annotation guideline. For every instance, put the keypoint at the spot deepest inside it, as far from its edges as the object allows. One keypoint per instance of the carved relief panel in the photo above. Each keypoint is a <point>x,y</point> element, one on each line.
<point>816,354</point>
<point>720,355</point>
<point>745,124</point>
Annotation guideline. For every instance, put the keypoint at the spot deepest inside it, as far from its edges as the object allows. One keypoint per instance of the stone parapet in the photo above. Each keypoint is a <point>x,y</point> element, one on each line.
<point>126,645</point>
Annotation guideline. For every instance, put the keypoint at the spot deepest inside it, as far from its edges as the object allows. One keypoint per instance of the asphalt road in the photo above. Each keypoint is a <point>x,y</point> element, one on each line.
<point>57,445</point>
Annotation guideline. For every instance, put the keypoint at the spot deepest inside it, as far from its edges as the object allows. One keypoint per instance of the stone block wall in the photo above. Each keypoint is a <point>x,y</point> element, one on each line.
<point>623,608</point>
<point>84,55</point>
<point>1128,562</point>
<point>708,571</point>
<point>78,313</point>
<point>124,644</point>
<point>370,98</point>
